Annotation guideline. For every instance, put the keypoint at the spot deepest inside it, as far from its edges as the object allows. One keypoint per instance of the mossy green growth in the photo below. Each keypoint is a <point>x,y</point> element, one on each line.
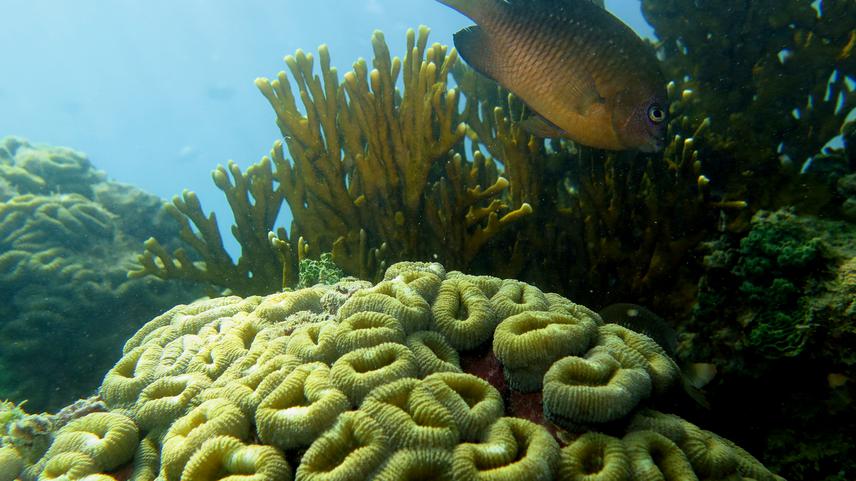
<point>9,413</point>
<point>321,271</point>
<point>777,262</point>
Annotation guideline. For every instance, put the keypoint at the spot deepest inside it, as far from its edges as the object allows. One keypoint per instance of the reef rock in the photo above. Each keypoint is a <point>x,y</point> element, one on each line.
<point>68,236</point>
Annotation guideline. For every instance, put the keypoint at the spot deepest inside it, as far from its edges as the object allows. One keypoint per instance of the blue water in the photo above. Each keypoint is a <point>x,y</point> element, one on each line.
<point>159,92</point>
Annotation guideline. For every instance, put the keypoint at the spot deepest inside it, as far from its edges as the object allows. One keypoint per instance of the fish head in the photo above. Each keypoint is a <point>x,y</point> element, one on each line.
<point>640,119</point>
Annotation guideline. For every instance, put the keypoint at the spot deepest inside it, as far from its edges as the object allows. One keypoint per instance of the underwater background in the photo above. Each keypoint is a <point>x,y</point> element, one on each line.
<point>723,268</point>
<point>148,88</point>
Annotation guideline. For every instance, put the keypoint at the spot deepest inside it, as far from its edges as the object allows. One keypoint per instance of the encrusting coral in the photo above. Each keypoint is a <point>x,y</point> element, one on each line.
<point>373,410</point>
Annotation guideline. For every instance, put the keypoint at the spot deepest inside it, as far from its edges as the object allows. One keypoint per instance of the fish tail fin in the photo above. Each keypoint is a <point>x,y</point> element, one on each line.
<point>473,9</point>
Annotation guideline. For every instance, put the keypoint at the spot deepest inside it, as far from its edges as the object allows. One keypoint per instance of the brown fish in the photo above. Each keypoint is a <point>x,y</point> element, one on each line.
<point>639,319</point>
<point>586,74</point>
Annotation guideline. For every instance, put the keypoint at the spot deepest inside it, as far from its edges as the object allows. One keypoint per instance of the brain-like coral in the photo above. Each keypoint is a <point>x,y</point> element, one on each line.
<point>67,239</point>
<point>421,376</point>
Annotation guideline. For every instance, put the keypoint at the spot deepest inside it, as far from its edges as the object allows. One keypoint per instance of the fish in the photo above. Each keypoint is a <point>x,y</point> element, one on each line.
<point>644,321</point>
<point>585,74</point>
<point>694,376</point>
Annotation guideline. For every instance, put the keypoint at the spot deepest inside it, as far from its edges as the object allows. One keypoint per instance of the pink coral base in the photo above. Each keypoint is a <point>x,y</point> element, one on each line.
<point>522,405</point>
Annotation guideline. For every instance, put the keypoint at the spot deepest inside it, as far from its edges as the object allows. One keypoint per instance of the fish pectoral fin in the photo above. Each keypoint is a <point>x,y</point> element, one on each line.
<point>584,96</point>
<point>474,46</point>
<point>541,127</point>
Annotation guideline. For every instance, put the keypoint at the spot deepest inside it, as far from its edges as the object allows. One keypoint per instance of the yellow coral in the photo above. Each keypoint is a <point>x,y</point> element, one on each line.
<point>212,418</point>
<point>515,297</point>
<point>472,401</point>
<point>433,353</point>
<point>416,413</point>
<point>528,343</point>
<point>512,449</point>
<point>422,277</point>
<point>278,307</point>
<point>411,418</point>
<point>654,456</point>
<point>216,355</point>
<point>255,383</point>
<point>147,459</point>
<point>367,329</point>
<point>124,382</point>
<point>489,285</point>
<point>228,459</point>
<point>592,389</point>
<point>595,457</point>
<point>11,463</point>
<point>394,298</point>
<point>709,455</point>
<point>417,465</point>
<point>108,439</point>
<point>358,372</point>
<point>313,342</point>
<point>68,466</point>
<point>350,451</point>
<point>633,349</point>
<point>668,425</point>
<point>167,399</point>
<point>463,314</point>
<point>302,407</point>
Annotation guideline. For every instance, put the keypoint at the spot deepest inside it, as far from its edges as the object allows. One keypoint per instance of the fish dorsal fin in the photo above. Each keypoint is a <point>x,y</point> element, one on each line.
<point>474,45</point>
<point>541,127</point>
<point>550,4</point>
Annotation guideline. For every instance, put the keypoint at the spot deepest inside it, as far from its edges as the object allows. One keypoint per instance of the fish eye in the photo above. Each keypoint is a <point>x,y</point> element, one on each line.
<point>656,114</point>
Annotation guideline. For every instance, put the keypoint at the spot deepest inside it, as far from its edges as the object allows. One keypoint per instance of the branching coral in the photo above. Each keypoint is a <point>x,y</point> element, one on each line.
<point>771,74</point>
<point>621,224</point>
<point>368,411</point>
<point>369,165</point>
<point>365,159</point>
<point>376,175</point>
<point>255,204</point>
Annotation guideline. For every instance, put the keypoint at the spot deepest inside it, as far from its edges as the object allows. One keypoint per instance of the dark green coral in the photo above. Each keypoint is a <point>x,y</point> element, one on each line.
<point>775,315</point>
<point>767,278</point>
<point>777,263</point>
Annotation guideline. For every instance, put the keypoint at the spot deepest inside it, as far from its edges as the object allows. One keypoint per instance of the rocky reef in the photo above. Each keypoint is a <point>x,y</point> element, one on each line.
<point>67,238</point>
<point>427,372</point>
<point>777,308</point>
